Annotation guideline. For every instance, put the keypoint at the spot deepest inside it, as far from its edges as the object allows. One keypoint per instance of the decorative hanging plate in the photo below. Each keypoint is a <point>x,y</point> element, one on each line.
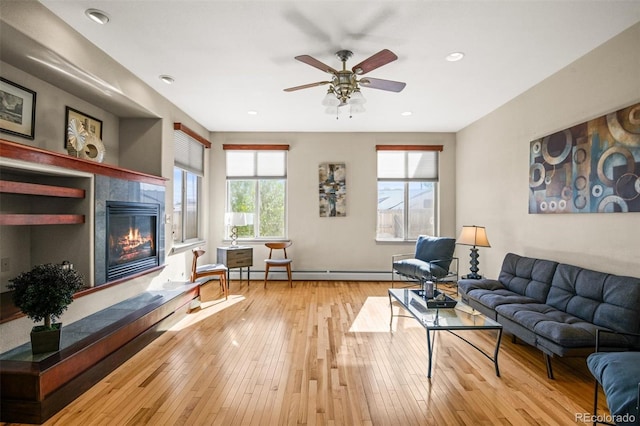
<point>93,149</point>
<point>76,137</point>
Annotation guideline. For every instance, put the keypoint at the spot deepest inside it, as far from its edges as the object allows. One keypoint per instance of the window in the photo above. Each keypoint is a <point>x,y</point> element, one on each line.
<point>407,191</point>
<point>257,184</point>
<point>187,181</point>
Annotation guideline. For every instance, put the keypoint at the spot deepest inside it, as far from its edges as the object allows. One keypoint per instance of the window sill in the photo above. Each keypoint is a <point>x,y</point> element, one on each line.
<point>182,247</point>
<point>412,242</point>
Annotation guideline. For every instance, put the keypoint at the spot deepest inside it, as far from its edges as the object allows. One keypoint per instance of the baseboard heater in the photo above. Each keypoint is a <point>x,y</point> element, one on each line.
<point>258,274</point>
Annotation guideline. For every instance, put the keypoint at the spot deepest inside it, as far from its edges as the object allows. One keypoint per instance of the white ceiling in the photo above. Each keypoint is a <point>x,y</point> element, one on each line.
<point>229,57</point>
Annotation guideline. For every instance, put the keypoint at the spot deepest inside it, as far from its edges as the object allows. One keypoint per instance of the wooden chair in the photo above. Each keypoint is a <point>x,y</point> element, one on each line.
<point>283,262</point>
<point>209,270</point>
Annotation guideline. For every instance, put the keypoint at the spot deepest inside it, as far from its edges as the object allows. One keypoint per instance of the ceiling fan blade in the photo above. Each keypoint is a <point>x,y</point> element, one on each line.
<point>381,58</point>
<point>316,63</point>
<point>377,83</point>
<point>306,86</point>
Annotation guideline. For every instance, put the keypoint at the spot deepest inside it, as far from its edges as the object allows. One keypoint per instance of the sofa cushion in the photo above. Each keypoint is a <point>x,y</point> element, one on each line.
<point>527,276</point>
<point>619,375</point>
<point>495,298</point>
<point>606,300</point>
<point>550,323</point>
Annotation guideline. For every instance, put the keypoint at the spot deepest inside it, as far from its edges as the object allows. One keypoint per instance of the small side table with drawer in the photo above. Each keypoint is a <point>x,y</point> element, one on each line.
<point>236,257</point>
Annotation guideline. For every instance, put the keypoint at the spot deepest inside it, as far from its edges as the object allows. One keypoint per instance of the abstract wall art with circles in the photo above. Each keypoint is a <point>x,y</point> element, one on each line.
<point>593,167</point>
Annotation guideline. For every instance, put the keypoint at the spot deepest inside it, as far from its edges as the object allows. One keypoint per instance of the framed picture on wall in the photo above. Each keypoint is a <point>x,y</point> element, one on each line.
<point>91,124</point>
<point>17,109</point>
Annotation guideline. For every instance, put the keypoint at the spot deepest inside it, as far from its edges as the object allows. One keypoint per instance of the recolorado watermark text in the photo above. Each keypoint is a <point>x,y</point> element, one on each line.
<point>609,418</point>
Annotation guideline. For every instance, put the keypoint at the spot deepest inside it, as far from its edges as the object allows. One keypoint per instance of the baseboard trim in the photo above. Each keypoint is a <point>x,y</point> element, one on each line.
<point>234,274</point>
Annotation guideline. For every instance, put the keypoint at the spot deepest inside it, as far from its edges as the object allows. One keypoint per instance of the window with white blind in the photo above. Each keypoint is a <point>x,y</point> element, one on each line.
<point>257,186</point>
<point>187,182</point>
<point>407,191</point>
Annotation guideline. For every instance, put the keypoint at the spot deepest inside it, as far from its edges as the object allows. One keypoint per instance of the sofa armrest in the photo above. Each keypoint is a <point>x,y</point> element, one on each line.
<point>618,333</point>
<point>468,284</point>
<point>401,256</point>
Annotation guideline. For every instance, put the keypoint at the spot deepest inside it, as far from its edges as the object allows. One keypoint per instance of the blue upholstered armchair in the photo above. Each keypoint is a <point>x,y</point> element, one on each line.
<point>619,375</point>
<point>432,261</point>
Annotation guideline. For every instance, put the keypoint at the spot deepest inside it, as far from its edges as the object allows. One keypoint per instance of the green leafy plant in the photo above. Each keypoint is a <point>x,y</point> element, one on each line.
<point>44,292</point>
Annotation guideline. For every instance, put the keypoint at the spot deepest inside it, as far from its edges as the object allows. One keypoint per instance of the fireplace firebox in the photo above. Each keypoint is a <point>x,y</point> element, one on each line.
<point>132,238</point>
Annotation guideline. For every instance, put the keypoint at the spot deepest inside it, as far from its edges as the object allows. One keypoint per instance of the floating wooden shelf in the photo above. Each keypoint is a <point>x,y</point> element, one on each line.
<point>32,154</point>
<point>12,187</point>
<point>41,219</point>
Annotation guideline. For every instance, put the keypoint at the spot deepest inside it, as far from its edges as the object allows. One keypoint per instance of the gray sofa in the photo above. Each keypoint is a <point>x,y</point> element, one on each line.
<point>556,307</point>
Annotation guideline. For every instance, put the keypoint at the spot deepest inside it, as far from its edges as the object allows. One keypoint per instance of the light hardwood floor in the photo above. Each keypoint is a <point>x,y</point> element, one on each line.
<point>322,354</point>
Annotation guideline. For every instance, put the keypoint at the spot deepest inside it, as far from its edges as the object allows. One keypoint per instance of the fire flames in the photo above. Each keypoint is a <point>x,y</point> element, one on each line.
<point>132,245</point>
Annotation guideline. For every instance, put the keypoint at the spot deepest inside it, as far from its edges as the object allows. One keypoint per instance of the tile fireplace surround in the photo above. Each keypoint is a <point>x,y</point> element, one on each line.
<point>114,189</point>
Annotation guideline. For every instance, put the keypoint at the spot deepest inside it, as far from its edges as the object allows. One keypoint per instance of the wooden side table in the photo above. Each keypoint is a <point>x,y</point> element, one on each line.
<point>236,257</point>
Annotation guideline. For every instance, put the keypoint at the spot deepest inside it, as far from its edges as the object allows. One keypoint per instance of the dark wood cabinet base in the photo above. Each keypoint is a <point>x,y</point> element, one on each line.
<point>32,392</point>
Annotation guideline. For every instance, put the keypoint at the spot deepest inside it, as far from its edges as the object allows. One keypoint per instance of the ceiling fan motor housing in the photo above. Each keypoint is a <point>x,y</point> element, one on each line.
<point>344,83</point>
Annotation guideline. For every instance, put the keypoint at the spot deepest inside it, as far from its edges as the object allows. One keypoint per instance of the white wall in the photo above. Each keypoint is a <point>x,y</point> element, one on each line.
<point>333,243</point>
<point>493,166</point>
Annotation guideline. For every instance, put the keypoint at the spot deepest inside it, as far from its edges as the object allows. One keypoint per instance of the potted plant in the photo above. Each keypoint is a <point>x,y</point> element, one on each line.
<point>43,293</point>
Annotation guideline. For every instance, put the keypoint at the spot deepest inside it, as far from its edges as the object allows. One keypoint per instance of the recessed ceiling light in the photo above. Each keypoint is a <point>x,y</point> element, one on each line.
<point>454,56</point>
<point>406,113</point>
<point>252,112</point>
<point>97,16</point>
<point>167,79</point>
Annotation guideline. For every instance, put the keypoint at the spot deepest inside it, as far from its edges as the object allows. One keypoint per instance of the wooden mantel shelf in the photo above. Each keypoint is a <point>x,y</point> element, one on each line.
<point>32,154</point>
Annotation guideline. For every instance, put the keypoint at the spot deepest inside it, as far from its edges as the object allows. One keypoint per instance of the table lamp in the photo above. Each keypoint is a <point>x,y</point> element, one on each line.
<point>475,236</point>
<point>235,219</point>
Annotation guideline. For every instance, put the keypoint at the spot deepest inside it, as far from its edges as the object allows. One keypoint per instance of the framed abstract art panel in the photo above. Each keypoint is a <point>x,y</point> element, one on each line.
<point>592,167</point>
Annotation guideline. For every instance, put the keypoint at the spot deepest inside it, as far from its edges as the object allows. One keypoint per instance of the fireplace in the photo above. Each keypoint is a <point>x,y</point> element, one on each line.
<point>132,238</point>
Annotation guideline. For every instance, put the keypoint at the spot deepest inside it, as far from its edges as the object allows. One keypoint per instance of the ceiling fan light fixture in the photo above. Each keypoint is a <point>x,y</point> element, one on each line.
<point>97,16</point>
<point>331,110</point>
<point>330,99</point>
<point>357,108</point>
<point>344,87</point>
<point>357,98</point>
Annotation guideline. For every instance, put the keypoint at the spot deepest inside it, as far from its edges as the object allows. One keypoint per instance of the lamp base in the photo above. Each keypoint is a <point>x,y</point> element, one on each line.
<point>474,265</point>
<point>234,236</point>
<point>472,277</point>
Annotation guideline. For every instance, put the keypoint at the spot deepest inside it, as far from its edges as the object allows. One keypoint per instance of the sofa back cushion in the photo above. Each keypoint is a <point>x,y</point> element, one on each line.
<point>606,300</point>
<point>527,276</point>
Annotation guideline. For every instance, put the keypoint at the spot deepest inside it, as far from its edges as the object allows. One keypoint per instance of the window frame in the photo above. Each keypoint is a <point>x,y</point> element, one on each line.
<point>407,181</point>
<point>256,178</point>
<point>189,153</point>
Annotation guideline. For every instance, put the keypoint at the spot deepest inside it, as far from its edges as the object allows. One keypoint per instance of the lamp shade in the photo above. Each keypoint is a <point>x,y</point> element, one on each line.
<point>473,236</point>
<point>238,219</point>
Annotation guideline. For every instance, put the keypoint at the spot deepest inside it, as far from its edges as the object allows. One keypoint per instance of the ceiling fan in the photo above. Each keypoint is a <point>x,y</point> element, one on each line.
<point>344,86</point>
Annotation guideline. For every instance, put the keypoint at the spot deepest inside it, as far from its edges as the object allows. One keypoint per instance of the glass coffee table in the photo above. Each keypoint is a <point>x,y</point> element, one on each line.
<point>461,317</point>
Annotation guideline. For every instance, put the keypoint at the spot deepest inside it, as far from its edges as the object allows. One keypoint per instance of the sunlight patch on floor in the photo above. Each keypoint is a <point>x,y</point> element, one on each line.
<point>374,317</point>
<point>206,310</point>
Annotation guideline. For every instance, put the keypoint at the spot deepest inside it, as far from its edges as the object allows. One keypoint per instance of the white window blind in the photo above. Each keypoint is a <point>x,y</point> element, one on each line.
<point>409,165</point>
<point>189,153</point>
<point>264,163</point>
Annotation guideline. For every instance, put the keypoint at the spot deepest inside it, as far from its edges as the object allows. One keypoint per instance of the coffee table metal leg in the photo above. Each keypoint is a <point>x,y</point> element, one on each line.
<point>495,354</point>
<point>430,350</point>
<point>391,308</point>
